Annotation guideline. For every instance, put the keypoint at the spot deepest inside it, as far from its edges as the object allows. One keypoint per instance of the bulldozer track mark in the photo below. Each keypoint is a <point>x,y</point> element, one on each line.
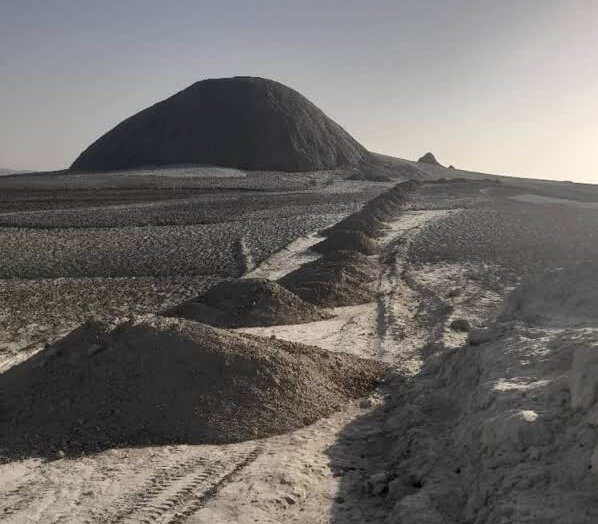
<point>176,491</point>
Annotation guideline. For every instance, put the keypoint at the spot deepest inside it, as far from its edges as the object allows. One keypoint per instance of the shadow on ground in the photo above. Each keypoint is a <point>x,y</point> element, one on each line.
<point>360,457</point>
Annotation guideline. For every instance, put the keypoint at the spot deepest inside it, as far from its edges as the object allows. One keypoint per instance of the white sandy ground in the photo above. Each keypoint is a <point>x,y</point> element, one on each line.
<point>470,427</point>
<point>291,257</point>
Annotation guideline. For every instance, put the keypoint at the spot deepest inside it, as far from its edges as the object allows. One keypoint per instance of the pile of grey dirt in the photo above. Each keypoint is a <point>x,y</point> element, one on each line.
<point>347,241</point>
<point>341,278</point>
<point>155,380</point>
<point>248,302</point>
<point>370,220</point>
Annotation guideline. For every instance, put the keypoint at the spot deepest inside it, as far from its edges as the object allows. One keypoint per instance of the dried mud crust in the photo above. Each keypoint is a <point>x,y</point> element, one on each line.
<point>246,303</point>
<point>158,380</point>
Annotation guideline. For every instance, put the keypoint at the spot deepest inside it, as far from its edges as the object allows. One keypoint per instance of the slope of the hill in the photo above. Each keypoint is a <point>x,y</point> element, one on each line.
<point>241,122</point>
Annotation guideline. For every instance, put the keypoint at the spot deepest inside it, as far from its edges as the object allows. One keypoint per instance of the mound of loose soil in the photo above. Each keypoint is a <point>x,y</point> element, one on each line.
<point>370,219</point>
<point>241,122</point>
<point>247,303</point>
<point>366,223</point>
<point>341,278</point>
<point>563,297</point>
<point>158,380</point>
<point>347,241</point>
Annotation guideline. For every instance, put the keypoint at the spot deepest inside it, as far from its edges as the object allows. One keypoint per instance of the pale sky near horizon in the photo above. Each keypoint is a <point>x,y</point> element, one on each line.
<point>499,86</point>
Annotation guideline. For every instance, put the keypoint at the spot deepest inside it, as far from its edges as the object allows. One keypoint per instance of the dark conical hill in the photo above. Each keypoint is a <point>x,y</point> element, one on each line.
<point>242,122</point>
<point>429,158</point>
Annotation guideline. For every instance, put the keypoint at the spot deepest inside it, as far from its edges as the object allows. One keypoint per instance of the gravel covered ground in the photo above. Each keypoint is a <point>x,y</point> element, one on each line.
<point>200,235</point>
<point>109,245</point>
<point>153,251</point>
<point>519,236</point>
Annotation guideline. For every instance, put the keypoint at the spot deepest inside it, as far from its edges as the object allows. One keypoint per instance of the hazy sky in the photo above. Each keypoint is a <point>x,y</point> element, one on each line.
<point>502,86</point>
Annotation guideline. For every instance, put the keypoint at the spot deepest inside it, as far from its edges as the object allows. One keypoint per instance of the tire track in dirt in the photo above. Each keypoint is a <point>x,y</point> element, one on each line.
<point>21,498</point>
<point>176,491</point>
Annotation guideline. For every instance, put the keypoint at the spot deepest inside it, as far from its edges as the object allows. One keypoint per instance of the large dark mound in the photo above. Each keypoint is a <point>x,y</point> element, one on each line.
<point>429,158</point>
<point>155,381</point>
<point>561,297</point>
<point>246,303</point>
<point>341,278</point>
<point>242,122</point>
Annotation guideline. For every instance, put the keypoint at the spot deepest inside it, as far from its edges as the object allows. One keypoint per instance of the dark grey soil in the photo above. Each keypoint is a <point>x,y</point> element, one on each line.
<point>247,302</point>
<point>341,278</point>
<point>347,241</point>
<point>241,122</point>
<point>156,381</point>
<point>371,217</point>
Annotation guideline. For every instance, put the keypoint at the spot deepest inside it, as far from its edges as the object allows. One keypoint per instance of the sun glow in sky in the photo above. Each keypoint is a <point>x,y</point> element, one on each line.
<point>500,86</point>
